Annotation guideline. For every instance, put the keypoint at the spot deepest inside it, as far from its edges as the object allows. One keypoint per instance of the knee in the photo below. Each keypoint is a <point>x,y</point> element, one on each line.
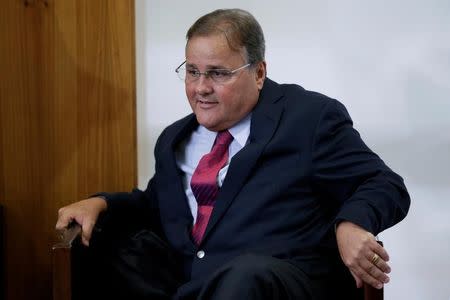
<point>252,276</point>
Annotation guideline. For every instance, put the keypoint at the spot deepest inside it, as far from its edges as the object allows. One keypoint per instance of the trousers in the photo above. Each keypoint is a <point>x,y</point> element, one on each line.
<point>144,267</point>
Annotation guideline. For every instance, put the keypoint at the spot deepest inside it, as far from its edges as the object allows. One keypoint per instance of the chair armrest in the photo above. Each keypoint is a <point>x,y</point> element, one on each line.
<point>2,255</point>
<point>371,293</point>
<point>62,263</point>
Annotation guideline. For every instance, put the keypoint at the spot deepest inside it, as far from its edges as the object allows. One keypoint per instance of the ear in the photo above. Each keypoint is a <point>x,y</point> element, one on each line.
<point>260,74</point>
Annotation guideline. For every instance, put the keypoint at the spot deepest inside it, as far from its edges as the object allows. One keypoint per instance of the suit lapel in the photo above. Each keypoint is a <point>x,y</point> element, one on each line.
<point>174,207</point>
<point>265,119</point>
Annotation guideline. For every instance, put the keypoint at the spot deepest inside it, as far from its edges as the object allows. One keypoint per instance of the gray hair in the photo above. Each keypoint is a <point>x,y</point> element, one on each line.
<point>239,27</point>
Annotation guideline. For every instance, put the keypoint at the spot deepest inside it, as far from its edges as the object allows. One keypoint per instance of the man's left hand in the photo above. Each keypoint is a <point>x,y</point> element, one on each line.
<point>360,252</point>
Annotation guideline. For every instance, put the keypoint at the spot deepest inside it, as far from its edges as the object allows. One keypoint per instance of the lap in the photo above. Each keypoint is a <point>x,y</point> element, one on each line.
<point>252,276</point>
<point>258,277</point>
<point>145,267</point>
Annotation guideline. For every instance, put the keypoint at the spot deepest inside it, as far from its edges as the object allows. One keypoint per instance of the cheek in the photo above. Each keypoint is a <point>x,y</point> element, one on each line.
<point>226,99</point>
<point>190,94</point>
<point>188,91</point>
<point>236,102</point>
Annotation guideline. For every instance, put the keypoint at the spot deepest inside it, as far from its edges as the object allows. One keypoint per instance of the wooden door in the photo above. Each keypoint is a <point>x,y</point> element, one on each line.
<point>67,121</point>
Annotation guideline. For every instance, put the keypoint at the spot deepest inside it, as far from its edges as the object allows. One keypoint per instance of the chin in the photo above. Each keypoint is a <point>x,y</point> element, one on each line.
<point>206,123</point>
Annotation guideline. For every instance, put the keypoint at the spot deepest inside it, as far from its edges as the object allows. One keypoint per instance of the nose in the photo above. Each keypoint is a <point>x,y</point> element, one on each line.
<point>204,85</point>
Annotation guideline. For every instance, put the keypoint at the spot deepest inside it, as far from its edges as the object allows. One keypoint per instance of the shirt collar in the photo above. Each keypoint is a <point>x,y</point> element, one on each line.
<point>240,131</point>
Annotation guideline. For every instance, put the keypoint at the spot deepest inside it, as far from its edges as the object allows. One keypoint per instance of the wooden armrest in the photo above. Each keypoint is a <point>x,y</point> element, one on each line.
<point>371,293</point>
<point>62,263</point>
<point>67,236</point>
<point>2,255</point>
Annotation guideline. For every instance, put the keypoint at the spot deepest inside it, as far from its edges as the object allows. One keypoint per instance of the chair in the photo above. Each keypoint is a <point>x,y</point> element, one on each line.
<point>2,261</point>
<point>371,293</point>
<point>65,265</point>
<point>62,264</point>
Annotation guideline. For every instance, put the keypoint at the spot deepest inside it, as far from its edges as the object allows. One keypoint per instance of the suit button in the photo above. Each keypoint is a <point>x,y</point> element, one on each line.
<point>201,254</point>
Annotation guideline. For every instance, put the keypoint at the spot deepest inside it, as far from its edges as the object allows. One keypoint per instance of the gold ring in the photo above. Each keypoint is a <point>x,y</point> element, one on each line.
<point>375,259</point>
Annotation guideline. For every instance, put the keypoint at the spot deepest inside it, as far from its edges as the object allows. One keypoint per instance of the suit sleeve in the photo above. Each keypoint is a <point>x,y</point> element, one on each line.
<point>135,209</point>
<point>353,178</point>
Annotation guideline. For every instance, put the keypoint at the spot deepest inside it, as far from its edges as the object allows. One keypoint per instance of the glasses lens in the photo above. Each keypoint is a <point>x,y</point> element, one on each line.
<point>220,76</point>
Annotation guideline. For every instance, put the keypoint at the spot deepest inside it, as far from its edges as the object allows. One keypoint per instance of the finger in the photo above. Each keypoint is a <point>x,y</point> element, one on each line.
<point>383,266</point>
<point>358,280</point>
<point>63,219</point>
<point>86,232</point>
<point>367,277</point>
<point>377,261</point>
<point>374,271</point>
<point>378,249</point>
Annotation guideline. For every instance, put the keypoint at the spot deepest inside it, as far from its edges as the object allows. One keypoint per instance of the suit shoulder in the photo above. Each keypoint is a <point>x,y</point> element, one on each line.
<point>173,129</point>
<point>299,94</point>
<point>310,105</point>
<point>297,97</point>
<point>180,123</point>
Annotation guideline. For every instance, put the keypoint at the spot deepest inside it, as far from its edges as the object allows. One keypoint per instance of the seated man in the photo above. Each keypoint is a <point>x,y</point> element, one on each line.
<point>261,193</point>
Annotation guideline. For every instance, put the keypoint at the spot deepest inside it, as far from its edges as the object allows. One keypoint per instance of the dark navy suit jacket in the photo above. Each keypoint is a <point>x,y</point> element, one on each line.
<point>304,169</point>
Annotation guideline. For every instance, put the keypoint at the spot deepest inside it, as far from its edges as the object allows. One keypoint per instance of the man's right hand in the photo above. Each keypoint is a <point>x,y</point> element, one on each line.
<point>85,213</point>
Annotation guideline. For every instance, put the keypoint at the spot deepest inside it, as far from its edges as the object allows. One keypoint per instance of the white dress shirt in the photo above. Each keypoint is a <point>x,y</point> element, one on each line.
<point>200,143</point>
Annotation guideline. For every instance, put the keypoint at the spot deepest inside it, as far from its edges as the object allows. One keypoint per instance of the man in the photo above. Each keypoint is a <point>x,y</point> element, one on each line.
<point>260,192</point>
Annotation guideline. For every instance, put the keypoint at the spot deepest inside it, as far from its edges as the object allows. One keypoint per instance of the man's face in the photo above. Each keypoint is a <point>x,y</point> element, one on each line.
<point>219,106</point>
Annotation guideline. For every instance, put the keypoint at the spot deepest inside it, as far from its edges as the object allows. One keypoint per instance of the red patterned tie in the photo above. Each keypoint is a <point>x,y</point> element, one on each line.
<point>204,182</point>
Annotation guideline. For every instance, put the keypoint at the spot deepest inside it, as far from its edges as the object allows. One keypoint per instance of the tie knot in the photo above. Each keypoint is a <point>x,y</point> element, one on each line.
<point>224,138</point>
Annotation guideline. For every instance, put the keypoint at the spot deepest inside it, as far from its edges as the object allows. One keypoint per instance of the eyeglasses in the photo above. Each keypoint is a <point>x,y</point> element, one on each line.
<point>217,75</point>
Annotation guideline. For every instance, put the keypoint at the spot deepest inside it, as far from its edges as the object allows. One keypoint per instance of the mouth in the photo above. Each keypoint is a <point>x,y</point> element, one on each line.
<point>206,103</point>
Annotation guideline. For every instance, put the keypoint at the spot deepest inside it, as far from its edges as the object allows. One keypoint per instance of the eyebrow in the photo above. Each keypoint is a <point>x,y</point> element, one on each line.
<point>208,67</point>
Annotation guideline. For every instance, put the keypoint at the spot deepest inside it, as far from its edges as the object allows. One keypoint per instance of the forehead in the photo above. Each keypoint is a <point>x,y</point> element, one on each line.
<point>212,51</point>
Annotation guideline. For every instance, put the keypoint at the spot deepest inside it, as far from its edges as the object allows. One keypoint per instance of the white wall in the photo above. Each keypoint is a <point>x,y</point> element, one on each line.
<point>387,61</point>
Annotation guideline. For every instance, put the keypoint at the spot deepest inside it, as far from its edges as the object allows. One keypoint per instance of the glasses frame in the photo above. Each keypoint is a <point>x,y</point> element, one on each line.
<point>207,72</point>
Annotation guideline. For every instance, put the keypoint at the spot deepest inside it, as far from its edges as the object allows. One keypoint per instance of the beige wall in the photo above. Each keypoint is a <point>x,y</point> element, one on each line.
<point>387,61</point>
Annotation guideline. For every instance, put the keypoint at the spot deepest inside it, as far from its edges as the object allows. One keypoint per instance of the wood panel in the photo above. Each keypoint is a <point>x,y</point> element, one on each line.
<point>67,121</point>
